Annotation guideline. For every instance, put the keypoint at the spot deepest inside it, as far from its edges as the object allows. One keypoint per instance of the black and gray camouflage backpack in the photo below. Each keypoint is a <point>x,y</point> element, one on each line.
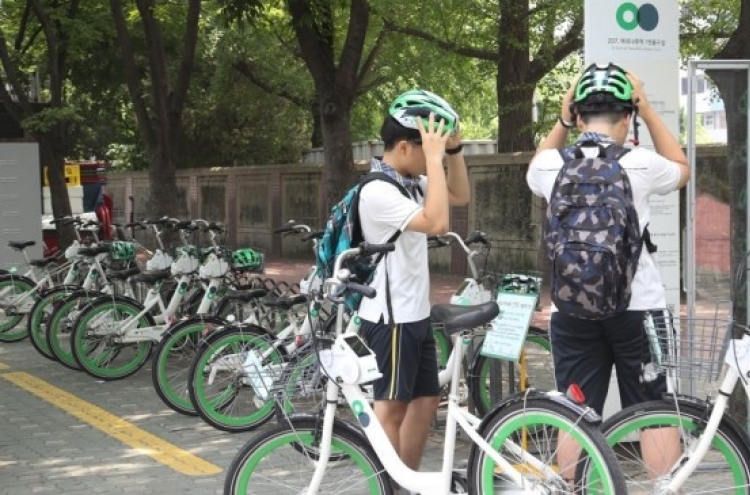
<point>592,234</point>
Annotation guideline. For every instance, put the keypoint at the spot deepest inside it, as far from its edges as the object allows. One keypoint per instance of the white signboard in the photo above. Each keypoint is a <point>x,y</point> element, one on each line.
<point>643,37</point>
<point>508,333</point>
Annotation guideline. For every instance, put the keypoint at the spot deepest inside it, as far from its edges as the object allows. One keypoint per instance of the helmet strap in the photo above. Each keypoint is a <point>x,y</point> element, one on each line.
<point>636,125</point>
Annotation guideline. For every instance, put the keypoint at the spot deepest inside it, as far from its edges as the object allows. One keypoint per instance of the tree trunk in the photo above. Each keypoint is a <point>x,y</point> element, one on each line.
<point>514,90</point>
<point>338,172</point>
<point>53,158</point>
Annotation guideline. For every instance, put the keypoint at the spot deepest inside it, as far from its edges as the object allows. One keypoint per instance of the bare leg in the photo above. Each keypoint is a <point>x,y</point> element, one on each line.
<point>660,448</point>
<point>416,428</point>
<point>568,452</point>
<point>391,414</point>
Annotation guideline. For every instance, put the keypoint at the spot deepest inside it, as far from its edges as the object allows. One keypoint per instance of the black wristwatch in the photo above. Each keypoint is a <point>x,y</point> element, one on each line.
<point>454,151</point>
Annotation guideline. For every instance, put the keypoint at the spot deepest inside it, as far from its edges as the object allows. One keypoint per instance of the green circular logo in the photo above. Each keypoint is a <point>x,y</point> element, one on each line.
<point>629,16</point>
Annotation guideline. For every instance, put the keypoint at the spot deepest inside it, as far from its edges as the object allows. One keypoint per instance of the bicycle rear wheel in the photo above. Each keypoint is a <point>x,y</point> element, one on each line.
<point>725,469</point>
<point>534,370</point>
<point>12,312</point>
<point>178,347</point>
<point>543,429</point>
<point>274,462</point>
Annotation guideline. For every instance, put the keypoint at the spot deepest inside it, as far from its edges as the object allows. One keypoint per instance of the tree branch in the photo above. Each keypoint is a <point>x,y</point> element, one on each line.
<point>22,27</point>
<point>248,70</point>
<point>546,60</point>
<point>351,54</point>
<point>159,73</point>
<point>447,46</point>
<point>369,62</point>
<point>13,76</point>
<point>135,88</point>
<point>177,99</point>
<point>53,52</point>
<point>317,55</point>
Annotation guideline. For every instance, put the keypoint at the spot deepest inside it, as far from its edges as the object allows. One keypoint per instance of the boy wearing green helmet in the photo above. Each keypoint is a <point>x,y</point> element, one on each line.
<point>420,137</point>
<point>602,105</point>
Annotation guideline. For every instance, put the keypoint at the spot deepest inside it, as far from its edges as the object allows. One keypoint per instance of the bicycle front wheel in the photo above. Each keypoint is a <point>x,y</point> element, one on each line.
<point>551,446</point>
<point>16,298</point>
<point>724,469</point>
<point>275,462</point>
<point>221,385</point>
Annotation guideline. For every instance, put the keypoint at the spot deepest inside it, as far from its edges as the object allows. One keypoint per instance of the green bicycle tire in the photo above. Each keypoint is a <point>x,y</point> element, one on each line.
<point>535,425</point>
<point>10,328</point>
<point>229,404</point>
<point>172,359</point>
<point>102,356</point>
<point>355,470</point>
<point>725,469</point>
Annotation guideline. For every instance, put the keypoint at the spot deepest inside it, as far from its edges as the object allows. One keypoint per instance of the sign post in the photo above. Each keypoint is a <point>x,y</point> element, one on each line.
<point>643,38</point>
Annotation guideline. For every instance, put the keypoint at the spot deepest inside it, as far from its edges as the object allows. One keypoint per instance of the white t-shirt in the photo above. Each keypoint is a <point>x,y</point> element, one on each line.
<point>649,173</point>
<point>383,210</point>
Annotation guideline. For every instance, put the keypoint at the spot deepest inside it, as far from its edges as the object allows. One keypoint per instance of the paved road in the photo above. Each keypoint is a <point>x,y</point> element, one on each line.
<point>63,432</point>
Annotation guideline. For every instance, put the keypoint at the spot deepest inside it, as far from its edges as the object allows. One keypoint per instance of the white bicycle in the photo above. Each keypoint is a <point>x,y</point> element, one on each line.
<point>513,449</point>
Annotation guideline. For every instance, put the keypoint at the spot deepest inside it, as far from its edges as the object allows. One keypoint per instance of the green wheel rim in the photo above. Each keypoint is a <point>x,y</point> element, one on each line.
<point>95,360</point>
<point>38,330</point>
<point>305,438</point>
<point>213,406</point>
<point>484,373</point>
<point>543,419</point>
<point>181,400</point>
<point>9,330</point>
<point>655,420</point>
<point>442,344</point>
<point>56,335</point>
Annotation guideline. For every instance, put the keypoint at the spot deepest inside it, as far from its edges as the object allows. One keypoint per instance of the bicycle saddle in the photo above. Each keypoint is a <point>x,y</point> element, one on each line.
<point>456,317</point>
<point>93,251</point>
<point>245,295</point>
<point>286,302</point>
<point>20,245</point>
<point>42,262</point>
<point>152,277</point>
<point>122,274</point>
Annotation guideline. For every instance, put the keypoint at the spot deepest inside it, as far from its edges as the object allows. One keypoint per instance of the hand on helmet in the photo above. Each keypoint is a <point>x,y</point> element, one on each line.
<point>639,95</point>
<point>434,137</point>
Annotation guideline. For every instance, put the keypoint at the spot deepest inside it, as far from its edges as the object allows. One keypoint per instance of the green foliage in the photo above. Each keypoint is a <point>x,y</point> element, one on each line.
<point>45,120</point>
<point>126,157</point>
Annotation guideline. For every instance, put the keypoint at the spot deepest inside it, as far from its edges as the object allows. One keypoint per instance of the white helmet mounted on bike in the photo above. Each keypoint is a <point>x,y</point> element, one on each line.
<point>418,103</point>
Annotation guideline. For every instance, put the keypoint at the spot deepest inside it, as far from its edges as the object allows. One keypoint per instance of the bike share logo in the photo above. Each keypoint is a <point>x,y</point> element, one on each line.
<point>629,16</point>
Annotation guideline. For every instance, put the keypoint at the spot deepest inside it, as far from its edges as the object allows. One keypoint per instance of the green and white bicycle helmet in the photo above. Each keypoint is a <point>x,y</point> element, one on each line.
<point>603,89</point>
<point>247,259</point>
<point>122,250</point>
<point>415,103</point>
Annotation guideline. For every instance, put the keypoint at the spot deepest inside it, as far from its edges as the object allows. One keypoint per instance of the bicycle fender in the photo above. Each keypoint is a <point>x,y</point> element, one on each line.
<point>581,410</point>
<point>19,278</point>
<point>211,319</point>
<point>727,420</point>
<point>72,289</point>
<point>344,425</point>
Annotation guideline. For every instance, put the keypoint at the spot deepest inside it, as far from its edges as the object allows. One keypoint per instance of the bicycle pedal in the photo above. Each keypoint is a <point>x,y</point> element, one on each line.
<point>459,482</point>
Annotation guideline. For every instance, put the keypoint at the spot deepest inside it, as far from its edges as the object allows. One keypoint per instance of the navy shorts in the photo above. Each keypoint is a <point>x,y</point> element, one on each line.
<point>584,352</point>
<point>407,358</point>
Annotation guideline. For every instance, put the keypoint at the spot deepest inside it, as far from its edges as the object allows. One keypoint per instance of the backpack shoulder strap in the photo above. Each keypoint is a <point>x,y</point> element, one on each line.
<point>371,176</point>
<point>616,152</point>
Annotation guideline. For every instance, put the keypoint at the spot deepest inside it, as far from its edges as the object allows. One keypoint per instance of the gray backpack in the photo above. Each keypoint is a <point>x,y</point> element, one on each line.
<point>592,235</point>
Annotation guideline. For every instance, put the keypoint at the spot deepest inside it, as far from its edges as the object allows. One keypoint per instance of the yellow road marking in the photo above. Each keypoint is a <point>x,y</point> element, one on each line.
<point>4,366</point>
<point>176,458</point>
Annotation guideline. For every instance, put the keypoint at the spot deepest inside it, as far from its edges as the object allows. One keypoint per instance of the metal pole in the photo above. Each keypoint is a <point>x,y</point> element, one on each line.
<point>690,210</point>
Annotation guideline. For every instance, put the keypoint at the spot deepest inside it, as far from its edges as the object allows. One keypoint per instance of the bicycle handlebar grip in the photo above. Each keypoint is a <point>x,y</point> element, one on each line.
<point>367,248</point>
<point>283,230</point>
<point>477,236</point>
<point>365,290</point>
<point>183,224</point>
<point>215,226</point>
<point>315,234</point>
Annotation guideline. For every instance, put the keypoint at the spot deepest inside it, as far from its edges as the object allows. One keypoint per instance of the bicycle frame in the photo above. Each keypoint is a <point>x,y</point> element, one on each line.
<point>737,358</point>
<point>130,334</point>
<point>423,482</point>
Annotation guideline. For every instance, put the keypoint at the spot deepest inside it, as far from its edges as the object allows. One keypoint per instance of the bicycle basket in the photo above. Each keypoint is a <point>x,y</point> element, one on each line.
<point>691,348</point>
